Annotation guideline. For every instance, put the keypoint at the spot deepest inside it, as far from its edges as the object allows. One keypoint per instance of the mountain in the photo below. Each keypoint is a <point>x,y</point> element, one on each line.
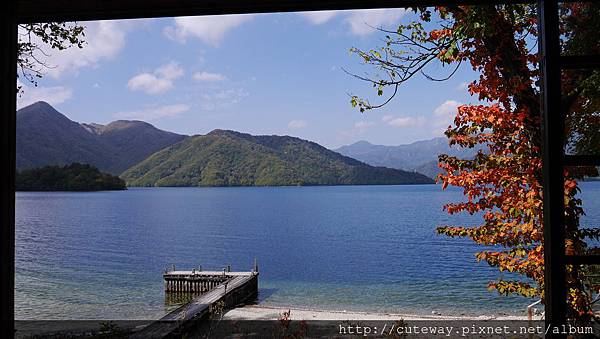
<point>429,168</point>
<point>420,156</point>
<point>133,141</point>
<point>47,137</point>
<point>228,158</point>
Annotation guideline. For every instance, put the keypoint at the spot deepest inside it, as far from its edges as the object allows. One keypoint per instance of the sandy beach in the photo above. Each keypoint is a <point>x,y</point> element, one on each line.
<point>258,312</point>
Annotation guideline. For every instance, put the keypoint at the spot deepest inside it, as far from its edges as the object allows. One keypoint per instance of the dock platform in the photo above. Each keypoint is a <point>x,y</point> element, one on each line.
<point>219,291</point>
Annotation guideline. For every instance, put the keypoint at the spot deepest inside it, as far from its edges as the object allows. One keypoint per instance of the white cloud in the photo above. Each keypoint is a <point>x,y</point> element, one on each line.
<point>161,80</point>
<point>103,41</point>
<point>365,21</point>
<point>447,108</point>
<point>208,76</point>
<point>444,115</point>
<point>53,95</point>
<point>297,124</point>
<point>169,71</point>
<point>363,125</point>
<point>387,118</point>
<point>401,122</point>
<point>153,113</point>
<point>222,98</point>
<point>149,83</point>
<point>359,128</point>
<point>318,17</point>
<point>462,86</point>
<point>362,22</point>
<point>209,29</point>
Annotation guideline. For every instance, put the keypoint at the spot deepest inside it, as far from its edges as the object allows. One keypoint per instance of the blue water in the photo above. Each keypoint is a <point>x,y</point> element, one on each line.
<point>370,248</point>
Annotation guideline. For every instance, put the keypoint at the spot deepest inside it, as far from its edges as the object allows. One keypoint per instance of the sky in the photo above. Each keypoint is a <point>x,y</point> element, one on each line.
<point>261,74</point>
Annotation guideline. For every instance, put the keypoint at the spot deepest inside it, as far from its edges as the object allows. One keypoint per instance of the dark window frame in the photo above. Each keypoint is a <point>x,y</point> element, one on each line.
<point>13,12</point>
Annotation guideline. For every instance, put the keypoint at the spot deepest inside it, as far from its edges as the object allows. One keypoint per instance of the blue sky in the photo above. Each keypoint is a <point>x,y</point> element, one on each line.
<point>261,74</point>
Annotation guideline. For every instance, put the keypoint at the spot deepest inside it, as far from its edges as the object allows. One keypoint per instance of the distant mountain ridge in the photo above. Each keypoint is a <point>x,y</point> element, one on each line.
<point>420,156</point>
<point>47,137</point>
<point>229,158</point>
<point>146,156</point>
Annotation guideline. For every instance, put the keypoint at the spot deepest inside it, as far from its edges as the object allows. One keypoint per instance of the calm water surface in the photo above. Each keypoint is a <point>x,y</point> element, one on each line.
<point>371,248</point>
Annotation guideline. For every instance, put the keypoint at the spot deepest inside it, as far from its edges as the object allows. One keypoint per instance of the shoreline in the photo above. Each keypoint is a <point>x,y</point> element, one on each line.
<point>259,312</point>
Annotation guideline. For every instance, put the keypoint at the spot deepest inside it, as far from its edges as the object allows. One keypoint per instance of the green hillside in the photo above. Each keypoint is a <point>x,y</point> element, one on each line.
<point>227,158</point>
<point>74,177</point>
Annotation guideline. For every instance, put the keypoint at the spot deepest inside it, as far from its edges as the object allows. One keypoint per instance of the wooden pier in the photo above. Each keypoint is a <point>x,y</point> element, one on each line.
<point>218,291</point>
<point>196,281</point>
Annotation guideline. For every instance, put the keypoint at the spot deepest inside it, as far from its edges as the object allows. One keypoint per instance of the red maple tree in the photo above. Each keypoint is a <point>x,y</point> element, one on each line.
<point>503,182</point>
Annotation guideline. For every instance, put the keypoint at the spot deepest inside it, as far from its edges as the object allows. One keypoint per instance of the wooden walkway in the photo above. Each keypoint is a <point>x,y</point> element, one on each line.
<point>227,290</point>
<point>201,305</point>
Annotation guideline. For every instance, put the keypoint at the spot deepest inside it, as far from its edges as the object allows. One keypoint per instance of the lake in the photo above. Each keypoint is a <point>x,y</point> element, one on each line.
<point>101,255</point>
